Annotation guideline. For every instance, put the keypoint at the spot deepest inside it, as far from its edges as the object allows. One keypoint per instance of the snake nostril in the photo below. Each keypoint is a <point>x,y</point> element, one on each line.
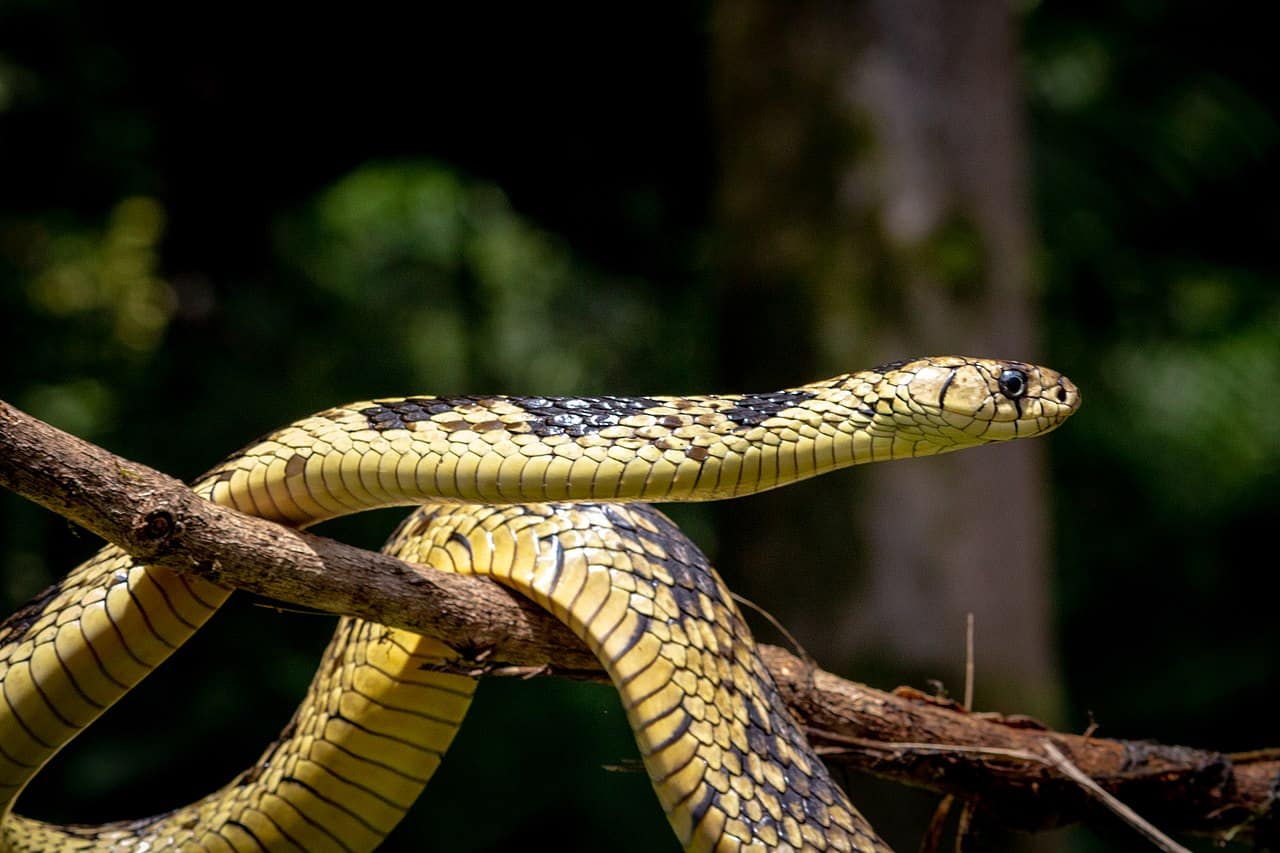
<point>1062,394</point>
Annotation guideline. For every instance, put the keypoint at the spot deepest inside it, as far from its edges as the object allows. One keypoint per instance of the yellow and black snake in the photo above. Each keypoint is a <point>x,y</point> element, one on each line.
<point>533,492</point>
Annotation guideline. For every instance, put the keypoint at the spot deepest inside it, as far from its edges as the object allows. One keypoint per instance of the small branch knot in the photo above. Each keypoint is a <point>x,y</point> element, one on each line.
<point>158,526</point>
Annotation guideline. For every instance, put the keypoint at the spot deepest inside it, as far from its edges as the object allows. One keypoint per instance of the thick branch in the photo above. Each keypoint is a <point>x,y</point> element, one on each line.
<point>159,520</point>
<point>908,737</point>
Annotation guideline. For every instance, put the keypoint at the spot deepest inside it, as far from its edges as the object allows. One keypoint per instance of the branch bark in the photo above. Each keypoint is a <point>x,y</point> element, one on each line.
<point>1005,765</point>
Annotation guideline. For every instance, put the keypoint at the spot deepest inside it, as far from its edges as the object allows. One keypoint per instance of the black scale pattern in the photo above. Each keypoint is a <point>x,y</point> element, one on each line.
<point>755,409</point>
<point>577,416</point>
<point>808,796</point>
<point>573,416</point>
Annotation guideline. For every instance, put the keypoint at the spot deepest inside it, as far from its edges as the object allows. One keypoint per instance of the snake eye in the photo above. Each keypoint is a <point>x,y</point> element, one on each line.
<point>1013,383</point>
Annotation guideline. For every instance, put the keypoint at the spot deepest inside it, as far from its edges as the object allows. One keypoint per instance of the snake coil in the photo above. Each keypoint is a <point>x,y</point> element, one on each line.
<point>537,493</point>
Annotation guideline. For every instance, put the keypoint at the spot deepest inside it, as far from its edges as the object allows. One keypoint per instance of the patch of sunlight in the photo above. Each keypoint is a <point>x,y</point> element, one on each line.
<point>112,276</point>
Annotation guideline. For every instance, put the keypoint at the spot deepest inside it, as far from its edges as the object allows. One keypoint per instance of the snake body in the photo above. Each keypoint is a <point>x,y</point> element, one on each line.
<point>533,492</point>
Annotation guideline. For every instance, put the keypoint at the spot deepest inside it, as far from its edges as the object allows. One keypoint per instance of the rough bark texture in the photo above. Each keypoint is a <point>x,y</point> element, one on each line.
<point>158,519</point>
<point>999,763</point>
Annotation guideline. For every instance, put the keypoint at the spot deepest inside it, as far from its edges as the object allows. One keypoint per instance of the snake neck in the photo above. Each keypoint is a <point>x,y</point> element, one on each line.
<point>506,450</point>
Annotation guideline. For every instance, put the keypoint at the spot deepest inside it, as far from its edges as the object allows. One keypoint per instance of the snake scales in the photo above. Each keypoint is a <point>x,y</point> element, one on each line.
<point>530,491</point>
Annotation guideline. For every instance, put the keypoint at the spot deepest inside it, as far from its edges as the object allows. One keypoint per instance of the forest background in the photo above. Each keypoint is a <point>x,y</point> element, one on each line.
<point>214,220</point>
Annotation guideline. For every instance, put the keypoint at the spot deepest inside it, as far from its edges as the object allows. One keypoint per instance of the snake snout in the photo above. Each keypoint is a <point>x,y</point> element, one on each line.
<point>1058,394</point>
<point>1066,393</point>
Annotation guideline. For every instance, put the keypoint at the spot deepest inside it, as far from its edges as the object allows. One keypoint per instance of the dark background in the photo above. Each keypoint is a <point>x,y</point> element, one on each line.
<point>215,219</point>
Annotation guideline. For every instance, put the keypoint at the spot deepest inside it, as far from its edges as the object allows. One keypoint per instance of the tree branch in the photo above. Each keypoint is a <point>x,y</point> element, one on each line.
<point>157,519</point>
<point>1003,764</point>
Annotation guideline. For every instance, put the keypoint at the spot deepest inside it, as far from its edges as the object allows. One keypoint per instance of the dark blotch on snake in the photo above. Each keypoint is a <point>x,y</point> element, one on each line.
<point>574,416</point>
<point>755,409</point>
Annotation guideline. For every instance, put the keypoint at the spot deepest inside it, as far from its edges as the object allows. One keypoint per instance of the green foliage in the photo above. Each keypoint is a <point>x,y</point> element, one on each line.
<point>101,290</point>
<point>109,280</point>
<point>468,293</point>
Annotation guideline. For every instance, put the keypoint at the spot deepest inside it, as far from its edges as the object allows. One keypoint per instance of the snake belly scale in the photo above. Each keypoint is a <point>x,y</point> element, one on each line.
<point>535,492</point>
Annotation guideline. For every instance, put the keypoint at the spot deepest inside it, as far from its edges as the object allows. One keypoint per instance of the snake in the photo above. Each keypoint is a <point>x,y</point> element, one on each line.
<point>546,495</point>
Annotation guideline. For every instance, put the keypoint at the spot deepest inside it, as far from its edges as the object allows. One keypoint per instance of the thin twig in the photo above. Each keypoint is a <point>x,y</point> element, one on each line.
<point>1271,754</point>
<point>1128,815</point>
<point>966,813</point>
<point>909,746</point>
<point>968,661</point>
<point>800,650</point>
<point>1056,759</point>
<point>810,662</point>
<point>963,825</point>
<point>932,839</point>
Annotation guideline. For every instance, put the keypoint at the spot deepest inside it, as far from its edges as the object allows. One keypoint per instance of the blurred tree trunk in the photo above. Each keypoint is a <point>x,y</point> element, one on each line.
<point>874,206</point>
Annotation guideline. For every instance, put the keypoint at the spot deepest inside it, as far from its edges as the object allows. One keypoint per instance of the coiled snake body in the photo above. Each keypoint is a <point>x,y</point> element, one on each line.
<point>531,492</point>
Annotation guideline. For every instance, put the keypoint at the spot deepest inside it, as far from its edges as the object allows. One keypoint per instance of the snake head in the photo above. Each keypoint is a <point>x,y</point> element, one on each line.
<point>967,401</point>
